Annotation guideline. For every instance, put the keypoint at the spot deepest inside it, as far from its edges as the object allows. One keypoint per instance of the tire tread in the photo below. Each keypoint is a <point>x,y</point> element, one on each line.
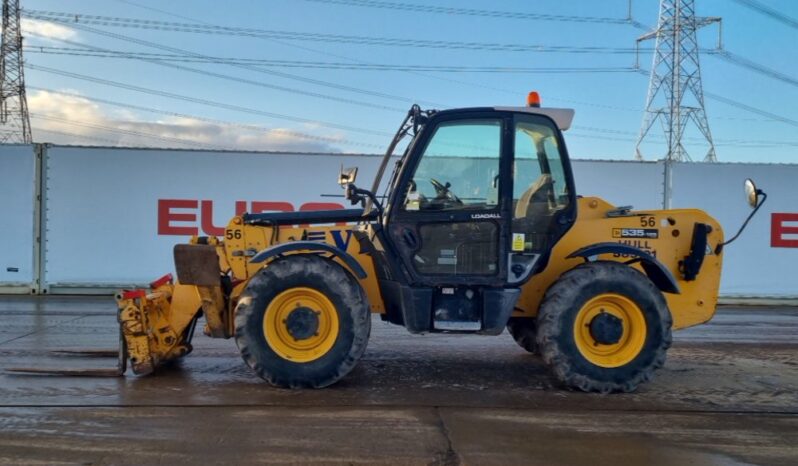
<point>559,298</point>
<point>315,269</point>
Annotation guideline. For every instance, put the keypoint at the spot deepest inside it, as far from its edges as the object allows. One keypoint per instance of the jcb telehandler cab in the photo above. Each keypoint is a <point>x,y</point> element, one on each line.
<point>478,228</point>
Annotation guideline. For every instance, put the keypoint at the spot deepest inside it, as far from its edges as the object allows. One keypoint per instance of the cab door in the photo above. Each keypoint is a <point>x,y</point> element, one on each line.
<point>449,215</point>
<point>543,197</point>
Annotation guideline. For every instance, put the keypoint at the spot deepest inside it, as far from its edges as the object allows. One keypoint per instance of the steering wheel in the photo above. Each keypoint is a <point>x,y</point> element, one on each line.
<point>443,192</point>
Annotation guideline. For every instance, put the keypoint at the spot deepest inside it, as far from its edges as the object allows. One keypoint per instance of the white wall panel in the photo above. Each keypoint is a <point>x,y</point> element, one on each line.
<point>17,191</point>
<point>113,215</point>
<point>752,265</point>
<point>639,184</point>
<point>103,204</point>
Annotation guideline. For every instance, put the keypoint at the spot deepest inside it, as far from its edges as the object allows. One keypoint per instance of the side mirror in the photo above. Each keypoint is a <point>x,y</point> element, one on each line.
<point>751,193</point>
<point>347,176</point>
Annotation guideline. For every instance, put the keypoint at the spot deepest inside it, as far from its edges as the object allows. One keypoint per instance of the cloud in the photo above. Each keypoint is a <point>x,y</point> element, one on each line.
<point>64,106</point>
<point>62,119</point>
<point>46,29</point>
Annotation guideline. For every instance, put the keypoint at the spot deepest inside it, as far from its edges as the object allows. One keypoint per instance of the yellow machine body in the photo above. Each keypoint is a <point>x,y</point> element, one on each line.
<point>478,230</point>
<point>697,300</point>
<point>242,240</point>
<point>171,307</point>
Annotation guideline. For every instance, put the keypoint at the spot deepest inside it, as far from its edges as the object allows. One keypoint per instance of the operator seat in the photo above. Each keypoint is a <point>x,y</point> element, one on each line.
<point>535,194</point>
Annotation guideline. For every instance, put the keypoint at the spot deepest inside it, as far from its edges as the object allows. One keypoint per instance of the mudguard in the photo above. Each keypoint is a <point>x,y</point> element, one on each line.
<point>310,246</point>
<point>657,273</point>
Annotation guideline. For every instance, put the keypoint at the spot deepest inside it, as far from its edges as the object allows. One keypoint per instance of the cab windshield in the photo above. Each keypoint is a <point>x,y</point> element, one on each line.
<point>459,168</point>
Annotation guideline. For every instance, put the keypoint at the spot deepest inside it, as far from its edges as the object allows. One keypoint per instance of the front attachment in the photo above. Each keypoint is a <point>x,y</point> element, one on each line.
<point>155,327</point>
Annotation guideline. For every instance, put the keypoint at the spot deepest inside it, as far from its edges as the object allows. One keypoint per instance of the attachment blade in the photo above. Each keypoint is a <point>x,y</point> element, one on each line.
<point>120,354</point>
<point>89,352</point>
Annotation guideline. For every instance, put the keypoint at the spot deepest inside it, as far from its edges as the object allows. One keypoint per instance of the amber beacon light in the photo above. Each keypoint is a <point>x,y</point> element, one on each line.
<point>533,99</point>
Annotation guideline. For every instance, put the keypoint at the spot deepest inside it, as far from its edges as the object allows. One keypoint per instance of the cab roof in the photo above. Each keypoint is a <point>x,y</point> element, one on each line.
<point>561,116</point>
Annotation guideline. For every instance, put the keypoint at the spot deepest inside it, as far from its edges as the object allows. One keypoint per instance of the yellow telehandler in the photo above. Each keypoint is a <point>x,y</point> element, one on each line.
<point>478,228</point>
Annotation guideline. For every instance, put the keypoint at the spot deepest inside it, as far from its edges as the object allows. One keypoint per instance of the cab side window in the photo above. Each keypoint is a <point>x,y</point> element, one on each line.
<point>540,190</point>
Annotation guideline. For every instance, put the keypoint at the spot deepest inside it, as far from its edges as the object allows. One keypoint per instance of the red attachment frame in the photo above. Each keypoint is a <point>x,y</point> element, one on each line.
<point>162,281</point>
<point>132,294</point>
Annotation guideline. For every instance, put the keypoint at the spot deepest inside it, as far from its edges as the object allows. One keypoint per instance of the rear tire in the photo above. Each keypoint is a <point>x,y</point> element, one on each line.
<point>524,331</point>
<point>604,327</point>
<point>302,322</point>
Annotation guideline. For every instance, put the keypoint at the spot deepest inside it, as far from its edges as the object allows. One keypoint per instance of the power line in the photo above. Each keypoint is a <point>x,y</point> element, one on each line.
<point>76,19</point>
<point>196,100</point>
<point>438,77</point>
<point>725,55</point>
<point>72,18</point>
<point>770,12</point>
<point>221,75</point>
<point>417,8</point>
<point>752,109</point>
<point>329,54</point>
<point>86,52</point>
<point>286,44</point>
<point>753,66</point>
<point>338,86</point>
<point>479,85</point>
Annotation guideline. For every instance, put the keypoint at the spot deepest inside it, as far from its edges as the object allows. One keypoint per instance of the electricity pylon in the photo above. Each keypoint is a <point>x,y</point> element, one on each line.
<point>14,117</point>
<point>675,94</point>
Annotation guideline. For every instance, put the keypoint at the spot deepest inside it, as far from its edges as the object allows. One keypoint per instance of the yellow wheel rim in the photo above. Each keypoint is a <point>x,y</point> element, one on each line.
<point>632,336</point>
<point>301,324</point>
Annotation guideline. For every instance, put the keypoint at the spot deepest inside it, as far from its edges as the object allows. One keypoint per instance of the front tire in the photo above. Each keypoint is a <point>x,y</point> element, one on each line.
<point>302,322</point>
<point>604,327</point>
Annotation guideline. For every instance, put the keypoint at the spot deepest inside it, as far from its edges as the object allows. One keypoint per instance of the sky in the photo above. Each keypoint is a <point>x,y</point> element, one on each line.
<point>91,100</point>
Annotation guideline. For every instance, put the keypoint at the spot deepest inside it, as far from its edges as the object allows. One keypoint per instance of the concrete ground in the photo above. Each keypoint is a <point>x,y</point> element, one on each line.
<point>727,395</point>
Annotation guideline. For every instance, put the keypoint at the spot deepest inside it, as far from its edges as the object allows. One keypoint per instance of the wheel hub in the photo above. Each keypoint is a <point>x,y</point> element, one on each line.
<point>302,323</point>
<point>610,330</point>
<point>606,329</point>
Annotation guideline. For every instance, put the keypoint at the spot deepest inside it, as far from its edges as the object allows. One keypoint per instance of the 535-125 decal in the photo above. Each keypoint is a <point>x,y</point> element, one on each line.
<point>649,233</point>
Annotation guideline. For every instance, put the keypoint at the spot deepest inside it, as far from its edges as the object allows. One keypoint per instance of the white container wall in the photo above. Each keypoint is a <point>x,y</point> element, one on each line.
<point>764,260</point>
<point>17,210</point>
<point>113,215</point>
<point>639,184</point>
